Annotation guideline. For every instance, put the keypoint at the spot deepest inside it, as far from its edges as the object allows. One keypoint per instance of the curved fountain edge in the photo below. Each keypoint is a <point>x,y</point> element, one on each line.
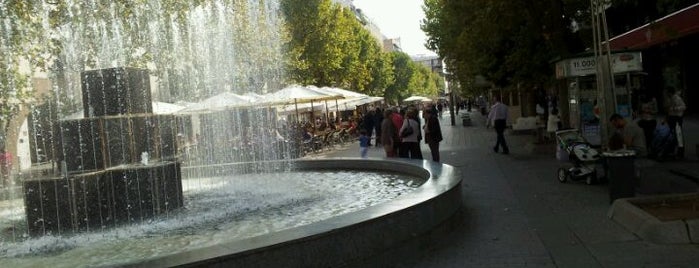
<point>346,238</point>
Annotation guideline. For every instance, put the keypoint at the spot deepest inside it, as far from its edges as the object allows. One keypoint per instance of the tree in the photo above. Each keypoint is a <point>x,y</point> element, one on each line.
<point>382,75</point>
<point>508,42</point>
<point>403,70</point>
<point>315,58</point>
<point>329,47</point>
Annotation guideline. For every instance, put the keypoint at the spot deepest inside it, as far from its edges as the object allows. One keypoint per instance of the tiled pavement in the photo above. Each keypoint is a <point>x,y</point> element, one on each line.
<point>516,213</point>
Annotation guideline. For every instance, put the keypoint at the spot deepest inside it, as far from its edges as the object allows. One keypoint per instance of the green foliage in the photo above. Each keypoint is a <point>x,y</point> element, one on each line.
<point>411,78</point>
<point>21,38</point>
<point>382,75</point>
<point>508,42</point>
<point>328,46</point>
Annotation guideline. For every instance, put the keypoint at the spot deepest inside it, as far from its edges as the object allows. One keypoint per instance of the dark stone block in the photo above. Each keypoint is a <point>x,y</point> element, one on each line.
<point>165,143</point>
<point>48,206</point>
<point>79,144</point>
<point>103,199</point>
<point>93,208</point>
<point>116,91</point>
<point>98,143</point>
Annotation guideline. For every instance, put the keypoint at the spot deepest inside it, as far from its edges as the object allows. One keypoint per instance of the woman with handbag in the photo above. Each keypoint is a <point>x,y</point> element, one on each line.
<point>410,136</point>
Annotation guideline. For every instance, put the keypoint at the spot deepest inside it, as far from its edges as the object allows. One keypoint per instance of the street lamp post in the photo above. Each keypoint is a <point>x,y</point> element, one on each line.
<point>606,98</point>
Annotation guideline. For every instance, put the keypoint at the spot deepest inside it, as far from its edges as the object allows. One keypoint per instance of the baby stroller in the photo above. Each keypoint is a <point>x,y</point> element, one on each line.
<point>574,148</point>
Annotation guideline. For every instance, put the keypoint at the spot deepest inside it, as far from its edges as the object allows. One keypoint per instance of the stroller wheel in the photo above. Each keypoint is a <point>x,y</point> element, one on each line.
<point>589,180</point>
<point>563,175</point>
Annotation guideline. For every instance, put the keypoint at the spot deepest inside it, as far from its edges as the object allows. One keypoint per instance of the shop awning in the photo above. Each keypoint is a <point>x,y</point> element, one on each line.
<point>670,27</point>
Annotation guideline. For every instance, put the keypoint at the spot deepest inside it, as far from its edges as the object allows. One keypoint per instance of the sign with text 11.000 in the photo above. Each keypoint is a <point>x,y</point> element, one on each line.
<point>621,63</point>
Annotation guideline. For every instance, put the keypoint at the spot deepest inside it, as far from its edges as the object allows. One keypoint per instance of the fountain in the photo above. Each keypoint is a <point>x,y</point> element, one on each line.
<point>101,178</point>
<point>118,164</point>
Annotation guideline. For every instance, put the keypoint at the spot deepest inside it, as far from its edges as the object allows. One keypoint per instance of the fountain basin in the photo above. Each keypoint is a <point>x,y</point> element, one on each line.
<point>343,239</point>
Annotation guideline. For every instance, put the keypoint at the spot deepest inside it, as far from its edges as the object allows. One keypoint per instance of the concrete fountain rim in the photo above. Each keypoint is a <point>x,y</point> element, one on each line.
<point>324,243</point>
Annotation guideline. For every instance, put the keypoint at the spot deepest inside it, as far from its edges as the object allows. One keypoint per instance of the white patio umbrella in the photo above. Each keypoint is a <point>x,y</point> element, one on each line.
<point>347,94</point>
<point>351,104</point>
<point>254,97</point>
<point>219,102</point>
<point>166,108</point>
<point>298,94</point>
<point>301,108</point>
<point>417,98</point>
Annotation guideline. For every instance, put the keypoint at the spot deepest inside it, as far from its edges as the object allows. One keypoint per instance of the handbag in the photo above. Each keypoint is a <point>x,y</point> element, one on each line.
<point>407,131</point>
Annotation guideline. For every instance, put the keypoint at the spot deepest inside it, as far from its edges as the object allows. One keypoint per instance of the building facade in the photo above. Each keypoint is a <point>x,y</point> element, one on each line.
<point>388,44</point>
<point>433,62</point>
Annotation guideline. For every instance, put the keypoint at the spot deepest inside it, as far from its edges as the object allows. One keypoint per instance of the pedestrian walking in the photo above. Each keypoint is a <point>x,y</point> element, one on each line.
<point>552,124</point>
<point>378,119</point>
<point>675,111</point>
<point>363,143</point>
<point>647,121</point>
<point>498,119</point>
<point>369,124</point>
<point>388,132</point>
<point>433,132</point>
<point>410,136</point>
<point>397,120</point>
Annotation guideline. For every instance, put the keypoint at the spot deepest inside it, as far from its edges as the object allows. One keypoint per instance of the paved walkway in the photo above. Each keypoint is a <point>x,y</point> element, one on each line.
<point>516,213</point>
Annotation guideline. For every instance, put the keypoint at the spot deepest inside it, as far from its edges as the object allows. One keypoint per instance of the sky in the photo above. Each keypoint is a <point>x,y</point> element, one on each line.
<point>398,18</point>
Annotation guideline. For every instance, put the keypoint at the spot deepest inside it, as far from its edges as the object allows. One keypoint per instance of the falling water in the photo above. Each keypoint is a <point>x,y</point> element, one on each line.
<point>190,51</point>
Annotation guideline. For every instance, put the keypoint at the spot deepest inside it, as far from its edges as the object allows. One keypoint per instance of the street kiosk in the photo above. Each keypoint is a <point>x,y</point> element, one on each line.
<point>580,90</point>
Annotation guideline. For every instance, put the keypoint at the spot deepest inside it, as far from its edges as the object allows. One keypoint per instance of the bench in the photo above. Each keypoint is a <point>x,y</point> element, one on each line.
<point>525,124</point>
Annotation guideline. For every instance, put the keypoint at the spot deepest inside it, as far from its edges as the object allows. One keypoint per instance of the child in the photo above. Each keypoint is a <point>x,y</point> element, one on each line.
<point>363,143</point>
<point>553,123</point>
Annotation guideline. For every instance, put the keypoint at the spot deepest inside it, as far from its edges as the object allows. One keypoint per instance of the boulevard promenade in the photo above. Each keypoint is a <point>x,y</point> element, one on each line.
<point>516,213</point>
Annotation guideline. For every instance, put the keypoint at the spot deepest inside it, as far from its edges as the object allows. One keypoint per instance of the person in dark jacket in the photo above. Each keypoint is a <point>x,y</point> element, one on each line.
<point>433,132</point>
<point>388,134</point>
<point>369,124</point>
<point>378,118</point>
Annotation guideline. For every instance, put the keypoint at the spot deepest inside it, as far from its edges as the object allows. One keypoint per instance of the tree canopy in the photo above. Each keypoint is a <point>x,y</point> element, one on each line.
<point>508,42</point>
<point>329,47</point>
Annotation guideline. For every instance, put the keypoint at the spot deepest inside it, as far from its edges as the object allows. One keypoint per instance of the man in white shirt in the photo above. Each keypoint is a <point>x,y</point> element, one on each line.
<point>498,119</point>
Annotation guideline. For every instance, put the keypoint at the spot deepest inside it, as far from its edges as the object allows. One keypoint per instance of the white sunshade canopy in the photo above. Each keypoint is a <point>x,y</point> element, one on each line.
<point>418,98</point>
<point>220,102</point>
<point>351,99</point>
<point>351,104</point>
<point>298,94</point>
<point>301,108</point>
<point>347,94</point>
<point>254,97</point>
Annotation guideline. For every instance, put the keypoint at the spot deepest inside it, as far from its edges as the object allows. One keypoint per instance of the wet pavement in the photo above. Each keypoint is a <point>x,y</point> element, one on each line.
<point>516,214</point>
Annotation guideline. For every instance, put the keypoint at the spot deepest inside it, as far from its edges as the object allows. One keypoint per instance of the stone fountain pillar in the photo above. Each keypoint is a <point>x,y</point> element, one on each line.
<point>116,166</point>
